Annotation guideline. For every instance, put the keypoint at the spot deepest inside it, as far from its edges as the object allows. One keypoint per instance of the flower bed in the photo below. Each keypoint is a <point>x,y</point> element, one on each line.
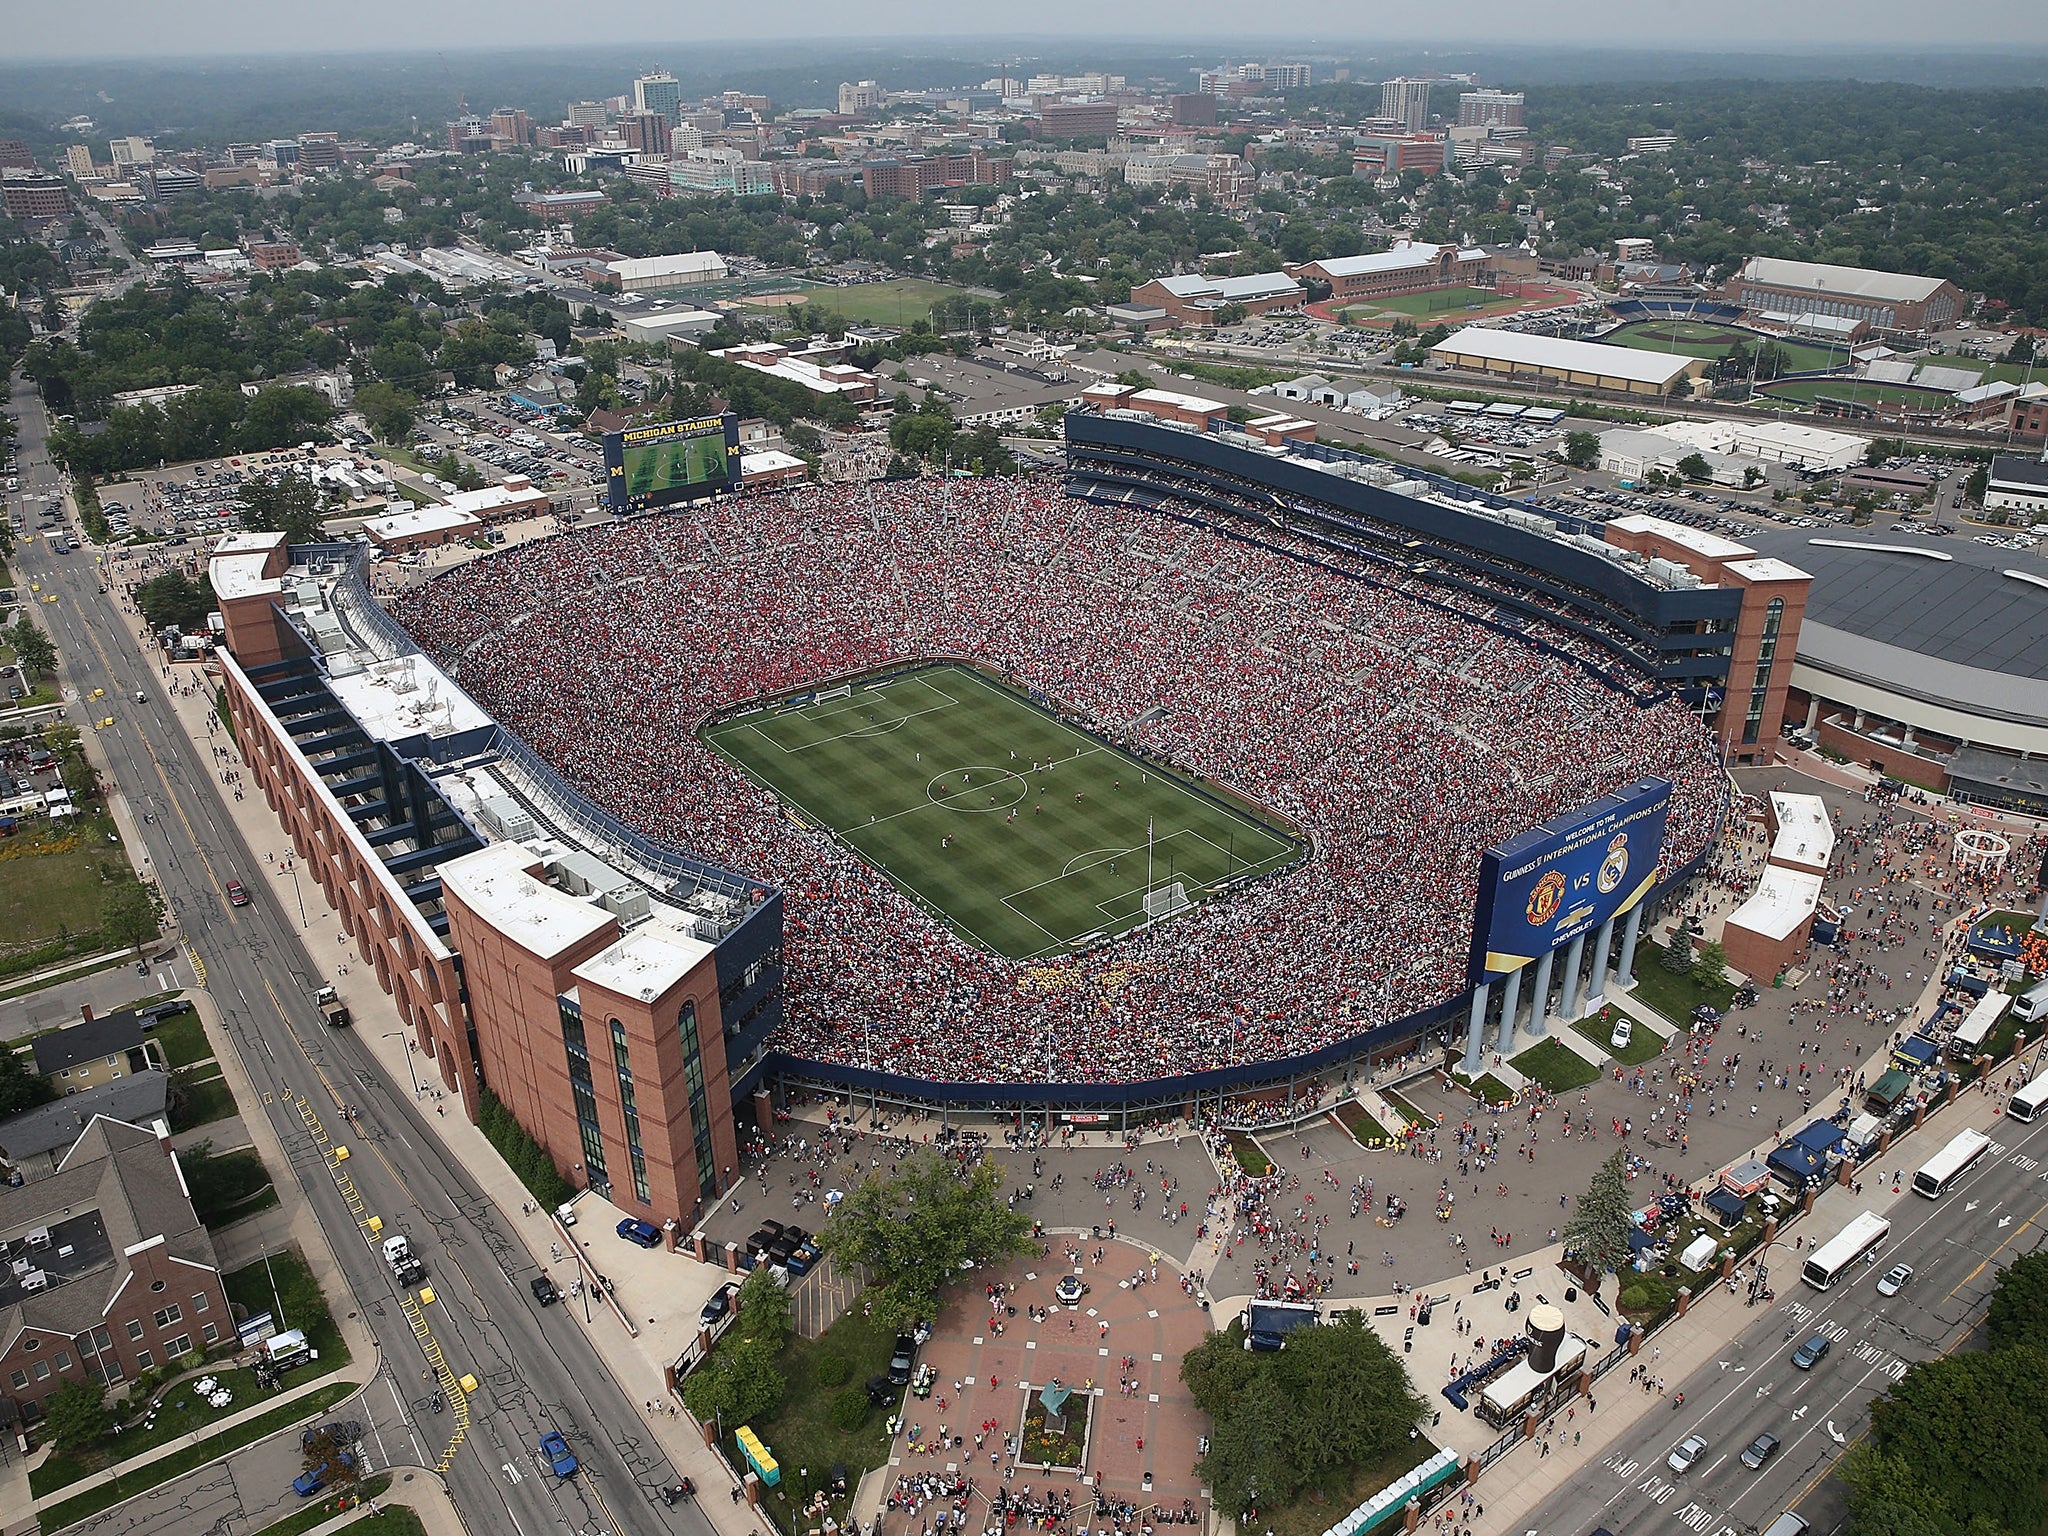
<point>1043,1447</point>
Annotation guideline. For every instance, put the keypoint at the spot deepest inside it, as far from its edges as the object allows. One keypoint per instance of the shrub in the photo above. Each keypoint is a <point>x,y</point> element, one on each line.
<point>834,1371</point>
<point>1635,1299</point>
<point>849,1408</point>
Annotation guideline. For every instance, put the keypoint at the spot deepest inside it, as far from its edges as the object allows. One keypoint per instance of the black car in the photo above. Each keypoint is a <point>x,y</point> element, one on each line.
<point>721,1302</point>
<point>901,1361</point>
<point>880,1394</point>
<point>544,1290</point>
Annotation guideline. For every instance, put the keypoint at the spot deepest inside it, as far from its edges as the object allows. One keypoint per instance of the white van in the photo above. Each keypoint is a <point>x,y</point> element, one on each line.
<point>2032,1003</point>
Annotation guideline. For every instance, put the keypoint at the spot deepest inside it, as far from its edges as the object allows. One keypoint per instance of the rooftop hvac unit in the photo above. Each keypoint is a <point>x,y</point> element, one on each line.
<point>507,818</point>
<point>628,903</point>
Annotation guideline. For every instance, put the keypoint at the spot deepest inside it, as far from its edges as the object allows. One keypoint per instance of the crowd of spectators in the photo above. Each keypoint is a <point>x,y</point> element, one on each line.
<point>1401,739</point>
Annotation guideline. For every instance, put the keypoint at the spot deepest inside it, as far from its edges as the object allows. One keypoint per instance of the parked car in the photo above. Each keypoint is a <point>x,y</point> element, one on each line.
<point>313,1479</point>
<point>1812,1352</point>
<point>1760,1450</point>
<point>1624,1031</point>
<point>544,1290</point>
<point>722,1301</point>
<point>554,1450</point>
<point>1893,1280</point>
<point>634,1230</point>
<point>1686,1453</point>
<point>900,1360</point>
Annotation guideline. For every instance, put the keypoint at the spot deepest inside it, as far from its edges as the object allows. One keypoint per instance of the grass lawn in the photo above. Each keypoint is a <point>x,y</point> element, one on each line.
<point>284,1286</point>
<point>1697,339</point>
<point>392,1520</point>
<point>803,1433</point>
<point>1675,996</point>
<point>338,1500</point>
<point>1643,1044</point>
<point>1364,1129</point>
<point>1417,306</point>
<point>200,1099</point>
<point>1556,1066</point>
<point>230,1185</point>
<point>897,302</point>
<point>183,1039</point>
<point>928,777</point>
<point>50,884</point>
<point>1487,1086</point>
<point>180,1411</point>
<point>1855,390</point>
<point>156,1473</point>
<point>1249,1156</point>
<point>1307,1516</point>
<point>1409,1108</point>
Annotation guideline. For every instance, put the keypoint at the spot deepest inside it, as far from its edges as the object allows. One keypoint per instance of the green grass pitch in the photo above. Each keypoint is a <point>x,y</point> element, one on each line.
<point>680,461</point>
<point>928,776</point>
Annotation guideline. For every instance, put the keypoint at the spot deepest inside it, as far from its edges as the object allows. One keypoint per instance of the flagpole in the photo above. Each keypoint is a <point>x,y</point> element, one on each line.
<point>1148,868</point>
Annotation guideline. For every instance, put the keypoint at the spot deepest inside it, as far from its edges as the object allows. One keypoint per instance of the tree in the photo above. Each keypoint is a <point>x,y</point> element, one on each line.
<point>1335,1399</point>
<point>765,1308</point>
<point>2022,348</point>
<point>1677,956</point>
<point>287,505</point>
<point>1598,1231</point>
<point>20,1087</point>
<point>1975,1428</point>
<point>325,1452</point>
<point>1710,964</point>
<point>77,1415</point>
<point>921,1227</point>
<point>2019,1307</point>
<point>1581,449</point>
<point>389,410</point>
<point>32,648</point>
<point>1694,466</point>
<point>1978,483</point>
<point>128,915</point>
<point>175,600</point>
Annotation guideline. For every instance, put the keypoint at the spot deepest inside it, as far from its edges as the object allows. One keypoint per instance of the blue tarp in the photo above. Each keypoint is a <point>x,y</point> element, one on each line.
<point>1918,1051</point>
<point>1821,1136</point>
<point>1797,1163</point>
<point>1728,1205</point>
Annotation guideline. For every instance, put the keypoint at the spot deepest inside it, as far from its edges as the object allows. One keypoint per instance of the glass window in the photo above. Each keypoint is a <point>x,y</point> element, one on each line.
<point>211,1333</point>
<point>168,1315</point>
<point>42,1370</point>
<point>17,1379</point>
<point>134,1328</point>
<point>62,1360</point>
<point>144,1361</point>
<point>199,1301</point>
<point>181,1345</point>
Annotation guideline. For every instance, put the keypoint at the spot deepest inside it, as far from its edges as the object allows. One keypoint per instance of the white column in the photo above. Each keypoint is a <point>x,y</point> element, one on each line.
<point>1625,962</point>
<point>1568,1008</point>
<point>1596,986</point>
<point>1539,1005</point>
<point>1475,1042</point>
<point>1509,1005</point>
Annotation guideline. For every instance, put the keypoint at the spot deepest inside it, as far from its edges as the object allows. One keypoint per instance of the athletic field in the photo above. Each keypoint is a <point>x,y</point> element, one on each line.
<point>929,777</point>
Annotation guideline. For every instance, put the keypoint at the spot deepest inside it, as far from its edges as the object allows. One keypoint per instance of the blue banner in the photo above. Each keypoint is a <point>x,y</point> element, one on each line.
<point>1554,882</point>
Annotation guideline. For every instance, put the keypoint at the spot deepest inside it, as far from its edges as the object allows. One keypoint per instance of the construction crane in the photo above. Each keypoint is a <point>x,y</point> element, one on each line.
<point>461,101</point>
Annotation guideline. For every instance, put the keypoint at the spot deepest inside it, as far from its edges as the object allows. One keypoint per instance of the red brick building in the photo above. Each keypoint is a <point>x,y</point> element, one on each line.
<point>1774,596</point>
<point>121,1276</point>
<point>914,178</point>
<point>1077,120</point>
<point>1408,268</point>
<point>33,197</point>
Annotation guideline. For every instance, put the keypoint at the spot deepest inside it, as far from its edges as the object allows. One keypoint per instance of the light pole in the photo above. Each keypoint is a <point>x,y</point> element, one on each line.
<point>291,865</point>
<point>411,1071</point>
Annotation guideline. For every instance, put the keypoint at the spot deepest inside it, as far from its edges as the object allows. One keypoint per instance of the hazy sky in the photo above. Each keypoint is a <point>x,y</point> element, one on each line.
<point>141,28</point>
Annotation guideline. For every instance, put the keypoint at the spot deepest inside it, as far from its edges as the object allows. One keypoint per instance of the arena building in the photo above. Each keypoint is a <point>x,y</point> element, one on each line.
<point>1193,299</point>
<point>1410,267</point>
<point>1807,296</point>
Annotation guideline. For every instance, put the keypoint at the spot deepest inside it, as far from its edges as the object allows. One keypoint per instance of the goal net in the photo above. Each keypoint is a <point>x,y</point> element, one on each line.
<point>1166,899</point>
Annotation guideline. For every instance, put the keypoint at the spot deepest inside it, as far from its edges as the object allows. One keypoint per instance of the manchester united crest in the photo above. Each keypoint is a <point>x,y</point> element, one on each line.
<point>1545,899</point>
<point>1615,865</point>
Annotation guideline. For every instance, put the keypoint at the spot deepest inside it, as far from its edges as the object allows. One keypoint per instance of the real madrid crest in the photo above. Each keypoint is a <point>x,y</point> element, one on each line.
<point>1615,865</point>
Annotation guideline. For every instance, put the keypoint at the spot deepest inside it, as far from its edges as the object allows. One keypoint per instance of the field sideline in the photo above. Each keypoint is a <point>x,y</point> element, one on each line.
<point>1027,835</point>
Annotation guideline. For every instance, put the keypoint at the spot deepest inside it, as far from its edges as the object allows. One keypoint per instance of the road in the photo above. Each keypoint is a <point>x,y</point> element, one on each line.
<point>1955,1245</point>
<point>537,1369</point>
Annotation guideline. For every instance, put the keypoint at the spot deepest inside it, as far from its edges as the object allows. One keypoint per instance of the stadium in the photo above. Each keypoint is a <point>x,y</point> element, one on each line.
<point>1186,785</point>
<point>1172,781</point>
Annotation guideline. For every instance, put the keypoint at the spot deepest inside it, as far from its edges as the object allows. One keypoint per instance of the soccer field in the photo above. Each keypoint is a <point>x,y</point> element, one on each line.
<point>929,776</point>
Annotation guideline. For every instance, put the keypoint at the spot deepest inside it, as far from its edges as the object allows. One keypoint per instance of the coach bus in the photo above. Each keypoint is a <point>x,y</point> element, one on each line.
<point>1950,1164</point>
<point>1856,1241</point>
<point>2029,1100</point>
<point>1976,1029</point>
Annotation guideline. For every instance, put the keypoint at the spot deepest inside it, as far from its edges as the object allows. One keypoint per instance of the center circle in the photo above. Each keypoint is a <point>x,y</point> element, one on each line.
<point>960,789</point>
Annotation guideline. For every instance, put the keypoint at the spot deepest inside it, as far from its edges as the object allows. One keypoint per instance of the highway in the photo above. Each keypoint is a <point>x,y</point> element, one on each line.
<point>537,1369</point>
<point>1956,1246</point>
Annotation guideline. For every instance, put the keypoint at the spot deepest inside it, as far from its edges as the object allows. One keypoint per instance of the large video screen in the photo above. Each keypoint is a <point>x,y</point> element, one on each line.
<point>670,462</point>
<point>1567,877</point>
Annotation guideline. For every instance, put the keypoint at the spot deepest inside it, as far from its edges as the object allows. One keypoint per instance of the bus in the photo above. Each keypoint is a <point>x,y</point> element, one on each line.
<point>2029,1100</point>
<point>1855,1241</point>
<point>1950,1164</point>
<point>1976,1029</point>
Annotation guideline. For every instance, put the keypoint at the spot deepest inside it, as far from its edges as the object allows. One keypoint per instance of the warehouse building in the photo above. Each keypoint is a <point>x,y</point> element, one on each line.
<point>1193,299</point>
<point>1410,267</point>
<point>1586,364</point>
<point>658,274</point>
<point>1789,294</point>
